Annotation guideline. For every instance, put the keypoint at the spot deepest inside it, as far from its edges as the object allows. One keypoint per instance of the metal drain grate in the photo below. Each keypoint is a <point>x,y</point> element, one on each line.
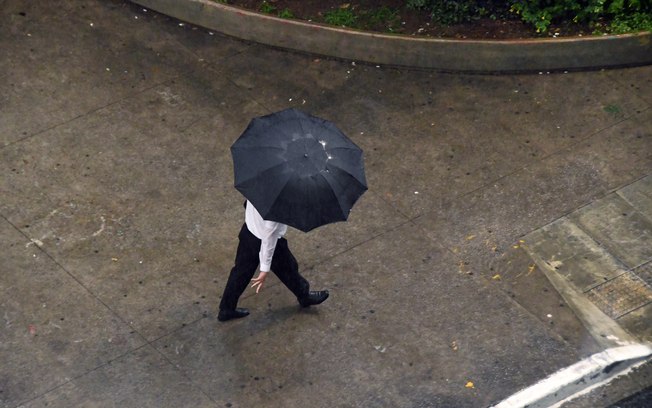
<point>645,272</point>
<point>621,295</point>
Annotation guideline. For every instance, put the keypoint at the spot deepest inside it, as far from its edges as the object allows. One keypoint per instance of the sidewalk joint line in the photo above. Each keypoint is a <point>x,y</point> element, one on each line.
<point>175,366</point>
<point>146,342</point>
<point>87,113</point>
<point>90,292</point>
<point>594,199</point>
<point>539,160</point>
<point>70,380</point>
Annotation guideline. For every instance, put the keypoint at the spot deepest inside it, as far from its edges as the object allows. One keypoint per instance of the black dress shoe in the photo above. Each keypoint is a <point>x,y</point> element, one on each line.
<point>225,315</point>
<point>314,298</point>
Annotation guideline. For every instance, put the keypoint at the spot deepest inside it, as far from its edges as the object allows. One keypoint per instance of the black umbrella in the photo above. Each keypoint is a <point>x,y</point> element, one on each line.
<point>298,169</point>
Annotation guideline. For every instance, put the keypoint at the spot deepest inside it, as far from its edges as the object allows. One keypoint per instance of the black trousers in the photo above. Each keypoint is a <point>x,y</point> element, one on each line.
<point>284,265</point>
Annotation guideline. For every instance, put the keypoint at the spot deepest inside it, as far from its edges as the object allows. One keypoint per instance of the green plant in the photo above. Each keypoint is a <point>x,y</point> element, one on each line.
<point>286,13</point>
<point>626,14</point>
<point>454,12</point>
<point>341,17</point>
<point>383,15</point>
<point>417,4</point>
<point>267,8</point>
<point>630,23</point>
<point>616,16</point>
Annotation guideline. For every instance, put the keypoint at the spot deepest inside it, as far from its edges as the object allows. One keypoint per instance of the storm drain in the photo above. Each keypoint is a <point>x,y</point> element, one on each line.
<point>621,295</point>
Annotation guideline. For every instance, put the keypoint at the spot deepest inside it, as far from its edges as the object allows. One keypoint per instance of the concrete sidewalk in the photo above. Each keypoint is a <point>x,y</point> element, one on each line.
<point>118,219</point>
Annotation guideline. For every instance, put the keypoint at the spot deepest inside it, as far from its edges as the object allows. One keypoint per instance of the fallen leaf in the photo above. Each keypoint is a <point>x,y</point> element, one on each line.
<point>496,277</point>
<point>469,385</point>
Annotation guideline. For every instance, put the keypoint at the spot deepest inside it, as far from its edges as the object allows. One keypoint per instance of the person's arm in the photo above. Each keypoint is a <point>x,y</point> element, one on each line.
<point>267,247</point>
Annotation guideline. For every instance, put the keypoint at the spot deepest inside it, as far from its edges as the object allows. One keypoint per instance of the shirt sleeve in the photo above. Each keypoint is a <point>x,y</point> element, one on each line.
<point>267,247</point>
<point>268,232</point>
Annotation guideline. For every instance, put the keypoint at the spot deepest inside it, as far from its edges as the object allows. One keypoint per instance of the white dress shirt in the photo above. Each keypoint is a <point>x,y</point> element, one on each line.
<point>267,231</point>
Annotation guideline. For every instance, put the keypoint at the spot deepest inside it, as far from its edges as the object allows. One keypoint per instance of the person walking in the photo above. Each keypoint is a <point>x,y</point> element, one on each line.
<point>262,245</point>
<point>301,171</point>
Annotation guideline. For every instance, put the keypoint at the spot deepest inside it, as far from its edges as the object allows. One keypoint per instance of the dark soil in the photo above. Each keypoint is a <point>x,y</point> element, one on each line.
<point>408,21</point>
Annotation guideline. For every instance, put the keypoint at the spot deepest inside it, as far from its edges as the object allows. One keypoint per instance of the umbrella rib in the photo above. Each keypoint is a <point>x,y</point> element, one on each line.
<point>333,188</point>
<point>278,193</point>
<point>257,146</point>
<point>353,176</point>
<point>261,172</point>
<point>303,130</point>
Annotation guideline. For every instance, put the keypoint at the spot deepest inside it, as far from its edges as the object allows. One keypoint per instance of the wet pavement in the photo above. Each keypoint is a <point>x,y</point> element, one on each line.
<point>119,222</point>
<point>602,252</point>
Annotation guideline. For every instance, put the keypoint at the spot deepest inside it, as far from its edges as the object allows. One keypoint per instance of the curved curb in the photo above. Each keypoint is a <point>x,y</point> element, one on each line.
<point>570,382</point>
<point>473,56</point>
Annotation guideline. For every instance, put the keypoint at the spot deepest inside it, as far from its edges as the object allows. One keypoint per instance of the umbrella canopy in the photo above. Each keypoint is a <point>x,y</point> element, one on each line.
<point>298,169</point>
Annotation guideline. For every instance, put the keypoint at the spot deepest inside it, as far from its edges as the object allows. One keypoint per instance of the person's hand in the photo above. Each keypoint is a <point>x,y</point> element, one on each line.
<point>258,281</point>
